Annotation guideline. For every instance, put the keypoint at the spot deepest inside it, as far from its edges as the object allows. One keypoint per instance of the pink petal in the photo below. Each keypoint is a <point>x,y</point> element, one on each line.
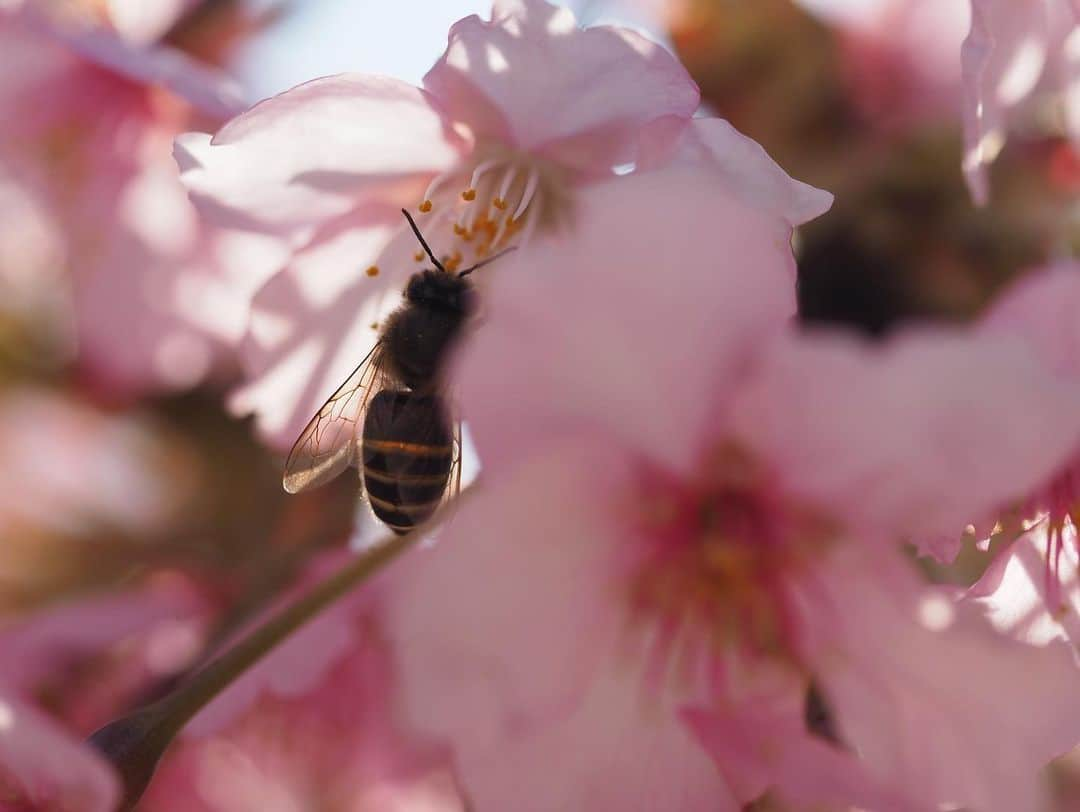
<point>599,85</point>
<point>1041,308</point>
<point>1013,590</point>
<point>43,767</point>
<point>742,164</point>
<point>157,296</point>
<point>338,746</point>
<point>767,748</point>
<point>625,346</point>
<point>506,632</point>
<point>1002,60</point>
<point>936,703</point>
<point>317,151</point>
<point>38,646</point>
<point>204,87</point>
<point>164,298</point>
<point>914,439</point>
<point>311,324</point>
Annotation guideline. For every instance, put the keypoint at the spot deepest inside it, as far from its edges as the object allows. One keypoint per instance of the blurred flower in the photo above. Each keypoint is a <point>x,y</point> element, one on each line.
<point>517,115</point>
<point>1041,308</point>
<point>900,58</point>
<point>77,487</point>
<point>43,767</point>
<point>301,663</point>
<point>313,725</point>
<point>1017,593</point>
<point>50,446</point>
<point>691,511</point>
<point>138,21</point>
<point>71,667</point>
<point>142,21</point>
<point>1015,48</point>
<point>158,298</point>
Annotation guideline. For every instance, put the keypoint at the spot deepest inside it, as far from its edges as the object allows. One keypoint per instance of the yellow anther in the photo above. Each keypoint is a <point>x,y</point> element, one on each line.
<point>418,256</point>
<point>469,194</point>
<point>374,325</point>
<point>499,203</point>
<point>372,271</point>
<point>460,230</point>
<point>425,207</point>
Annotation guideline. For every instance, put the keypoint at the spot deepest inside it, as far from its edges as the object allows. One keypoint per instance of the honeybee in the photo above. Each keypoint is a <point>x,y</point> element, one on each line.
<point>391,417</point>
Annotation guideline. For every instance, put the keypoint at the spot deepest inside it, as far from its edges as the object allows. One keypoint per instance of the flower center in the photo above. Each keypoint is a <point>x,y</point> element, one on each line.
<point>491,203</point>
<point>720,557</point>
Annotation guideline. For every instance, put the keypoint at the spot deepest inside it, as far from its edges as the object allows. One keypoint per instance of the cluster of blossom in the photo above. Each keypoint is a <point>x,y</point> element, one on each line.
<point>687,575</point>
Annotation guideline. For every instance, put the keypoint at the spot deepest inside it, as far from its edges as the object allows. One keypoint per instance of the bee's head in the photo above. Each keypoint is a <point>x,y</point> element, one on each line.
<point>441,290</point>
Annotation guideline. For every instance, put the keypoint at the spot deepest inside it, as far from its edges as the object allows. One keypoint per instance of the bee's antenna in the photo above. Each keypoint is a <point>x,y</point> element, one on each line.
<point>423,242</point>
<point>505,251</point>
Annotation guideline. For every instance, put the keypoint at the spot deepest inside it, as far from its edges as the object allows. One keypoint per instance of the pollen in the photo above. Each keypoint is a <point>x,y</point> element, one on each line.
<point>425,207</point>
<point>460,230</point>
<point>469,194</point>
<point>418,256</point>
<point>374,325</point>
<point>372,271</point>
<point>499,203</point>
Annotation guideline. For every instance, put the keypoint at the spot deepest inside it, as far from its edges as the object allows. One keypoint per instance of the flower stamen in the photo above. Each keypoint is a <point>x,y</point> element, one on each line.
<point>531,183</point>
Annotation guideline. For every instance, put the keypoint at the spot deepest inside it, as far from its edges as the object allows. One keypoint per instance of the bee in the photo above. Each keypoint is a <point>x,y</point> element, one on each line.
<point>407,447</point>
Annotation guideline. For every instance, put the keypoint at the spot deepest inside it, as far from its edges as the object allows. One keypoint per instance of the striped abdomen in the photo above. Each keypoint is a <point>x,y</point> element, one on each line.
<point>408,451</point>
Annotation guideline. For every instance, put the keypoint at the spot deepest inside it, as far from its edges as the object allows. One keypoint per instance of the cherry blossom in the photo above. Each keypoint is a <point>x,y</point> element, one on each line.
<point>899,56</point>
<point>336,745</point>
<point>157,297</point>
<point>42,763</point>
<point>520,113</point>
<point>137,21</point>
<point>1018,595</point>
<point>1040,308</point>
<point>689,511</point>
<point>44,767</point>
<point>49,442</point>
<point>1014,48</point>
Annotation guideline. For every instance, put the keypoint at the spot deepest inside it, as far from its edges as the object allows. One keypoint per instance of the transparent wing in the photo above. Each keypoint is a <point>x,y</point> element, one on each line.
<point>453,488</point>
<point>328,444</point>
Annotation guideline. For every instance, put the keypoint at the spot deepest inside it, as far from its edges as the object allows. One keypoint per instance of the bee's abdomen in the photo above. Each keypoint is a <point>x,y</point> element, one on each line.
<point>408,451</point>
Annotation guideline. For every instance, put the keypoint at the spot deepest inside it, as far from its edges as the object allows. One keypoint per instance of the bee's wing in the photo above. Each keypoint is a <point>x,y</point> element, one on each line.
<point>454,485</point>
<point>328,444</point>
